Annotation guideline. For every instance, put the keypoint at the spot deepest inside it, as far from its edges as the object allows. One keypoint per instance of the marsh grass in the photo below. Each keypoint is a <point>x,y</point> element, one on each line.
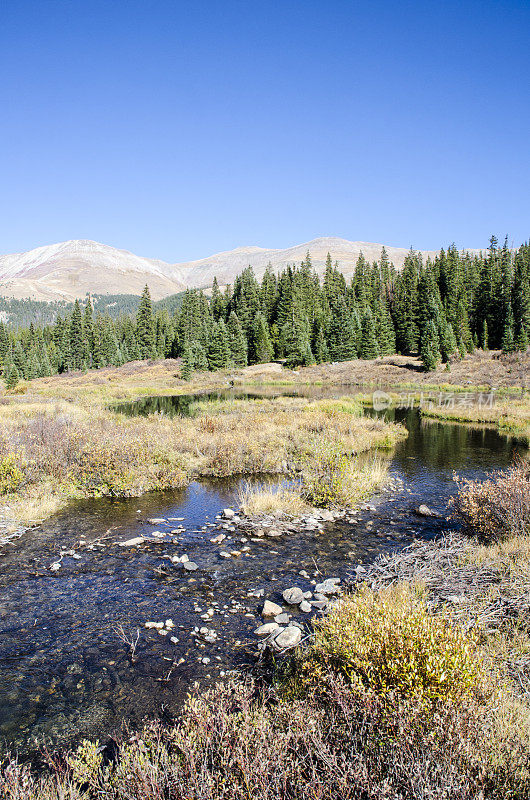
<point>58,449</point>
<point>255,500</point>
<point>510,415</point>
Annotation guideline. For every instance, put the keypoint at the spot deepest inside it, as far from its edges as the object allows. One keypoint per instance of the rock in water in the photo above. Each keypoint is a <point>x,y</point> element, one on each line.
<point>270,609</point>
<point>425,511</point>
<point>267,629</point>
<point>190,566</point>
<point>289,637</point>
<point>329,586</point>
<point>293,596</point>
<point>133,542</point>
<point>229,513</point>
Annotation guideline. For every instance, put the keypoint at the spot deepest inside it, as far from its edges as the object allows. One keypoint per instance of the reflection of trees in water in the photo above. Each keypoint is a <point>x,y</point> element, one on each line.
<point>171,405</point>
<point>452,446</point>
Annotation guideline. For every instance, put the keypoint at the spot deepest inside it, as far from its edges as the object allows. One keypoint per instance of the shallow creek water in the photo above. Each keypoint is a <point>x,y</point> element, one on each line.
<point>64,672</point>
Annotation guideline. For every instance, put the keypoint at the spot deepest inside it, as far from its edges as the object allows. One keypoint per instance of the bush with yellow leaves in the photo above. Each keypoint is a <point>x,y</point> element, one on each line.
<point>389,643</point>
<point>11,474</point>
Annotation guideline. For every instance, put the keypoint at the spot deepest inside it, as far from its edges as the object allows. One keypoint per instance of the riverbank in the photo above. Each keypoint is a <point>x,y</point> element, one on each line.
<point>338,727</point>
<point>414,684</point>
<point>63,449</point>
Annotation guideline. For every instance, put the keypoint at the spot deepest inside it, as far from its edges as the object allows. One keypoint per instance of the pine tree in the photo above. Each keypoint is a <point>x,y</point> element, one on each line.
<point>261,343</point>
<point>368,338</point>
<point>187,364</point>
<point>145,328</point>
<point>430,347</point>
<point>236,341</point>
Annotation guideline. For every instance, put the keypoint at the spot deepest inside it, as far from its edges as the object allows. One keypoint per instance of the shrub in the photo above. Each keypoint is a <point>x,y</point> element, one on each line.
<point>331,477</point>
<point>325,470</point>
<point>232,745</point>
<point>388,643</point>
<point>11,475</point>
<point>497,508</point>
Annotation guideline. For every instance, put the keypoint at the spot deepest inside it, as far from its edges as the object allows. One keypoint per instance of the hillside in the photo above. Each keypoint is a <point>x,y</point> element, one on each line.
<point>71,269</point>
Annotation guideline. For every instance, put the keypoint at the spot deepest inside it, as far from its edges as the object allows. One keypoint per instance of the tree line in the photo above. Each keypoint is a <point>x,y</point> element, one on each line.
<point>440,309</point>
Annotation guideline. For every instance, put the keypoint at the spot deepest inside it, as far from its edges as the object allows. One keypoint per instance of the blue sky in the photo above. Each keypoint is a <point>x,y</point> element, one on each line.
<point>179,129</point>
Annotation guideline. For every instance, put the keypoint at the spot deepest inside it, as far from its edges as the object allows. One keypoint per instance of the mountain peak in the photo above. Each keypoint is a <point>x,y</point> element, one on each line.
<point>73,268</point>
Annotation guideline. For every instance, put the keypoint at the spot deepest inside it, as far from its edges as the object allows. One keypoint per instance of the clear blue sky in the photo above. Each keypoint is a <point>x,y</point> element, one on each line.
<point>178,129</point>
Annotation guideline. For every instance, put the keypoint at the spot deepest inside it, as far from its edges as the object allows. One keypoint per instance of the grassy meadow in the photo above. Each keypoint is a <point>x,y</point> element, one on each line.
<point>60,440</point>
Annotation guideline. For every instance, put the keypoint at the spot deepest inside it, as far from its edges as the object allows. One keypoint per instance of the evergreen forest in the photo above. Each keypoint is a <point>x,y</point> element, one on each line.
<point>439,309</point>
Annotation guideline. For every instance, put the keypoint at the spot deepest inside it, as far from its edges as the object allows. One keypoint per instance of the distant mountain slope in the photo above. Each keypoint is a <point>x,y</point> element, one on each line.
<point>70,269</point>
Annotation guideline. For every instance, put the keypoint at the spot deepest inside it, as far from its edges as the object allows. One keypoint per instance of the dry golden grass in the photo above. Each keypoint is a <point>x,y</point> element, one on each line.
<point>257,500</point>
<point>77,447</point>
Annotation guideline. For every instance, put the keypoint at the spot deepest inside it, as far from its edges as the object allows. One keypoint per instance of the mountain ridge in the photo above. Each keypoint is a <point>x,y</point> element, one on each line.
<point>70,269</point>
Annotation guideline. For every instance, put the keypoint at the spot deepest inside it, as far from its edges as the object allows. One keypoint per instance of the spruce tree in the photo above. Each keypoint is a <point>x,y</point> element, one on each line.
<point>88,327</point>
<point>76,338</point>
<point>199,358</point>
<point>508,337</point>
<point>449,346</point>
<point>319,347</point>
<point>11,375</point>
<point>261,343</point>
<point>295,335</point>
<point>187,364</point>
<point>485,337</point>
<point>521,303</point>
<point>342,333</point>
<point>236,341</point>
<point>218,349</point>
<point>430,347</point>
<point>145,329</point>
<point>269,293</point>
<point>368,337</point>
<point>386,337</point>
<point>19,358</point>
<point>217,302</point>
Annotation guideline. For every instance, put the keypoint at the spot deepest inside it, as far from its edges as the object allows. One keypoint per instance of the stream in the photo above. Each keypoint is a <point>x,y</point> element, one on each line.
<point>66,673</point>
